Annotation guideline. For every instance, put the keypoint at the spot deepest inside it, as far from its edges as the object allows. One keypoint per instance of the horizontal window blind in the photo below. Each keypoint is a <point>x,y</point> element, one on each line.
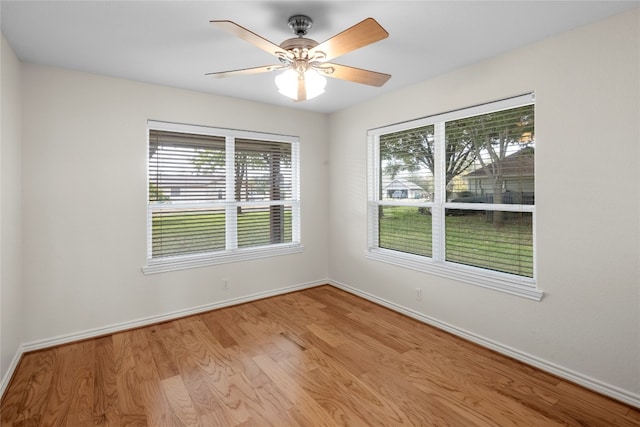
<point>204,201</point>
<point>184,231</point>
<point>498,152</point>
<point>405,229</point>
<point>263,170</point>
<point>407,164</point>
<point>499,170</point>
<point>186,168</point>
<point>473,239</point>
<point>264,225</point>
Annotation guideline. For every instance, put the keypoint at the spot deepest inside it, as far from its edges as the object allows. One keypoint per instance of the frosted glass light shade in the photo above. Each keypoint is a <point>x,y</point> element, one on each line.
<point>287,83</point>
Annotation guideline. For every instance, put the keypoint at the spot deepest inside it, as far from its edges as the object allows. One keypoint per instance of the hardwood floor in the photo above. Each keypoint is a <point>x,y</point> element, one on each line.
<point>318,357</point>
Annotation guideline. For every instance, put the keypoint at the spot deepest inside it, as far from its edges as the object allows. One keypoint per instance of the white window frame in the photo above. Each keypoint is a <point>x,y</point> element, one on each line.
<point>436,264</point>
<point>231,253</point>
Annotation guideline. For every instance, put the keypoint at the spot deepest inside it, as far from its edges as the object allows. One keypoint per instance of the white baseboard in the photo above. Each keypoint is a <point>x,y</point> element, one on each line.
<point>106,330</point>
<point>560,371</point>
<point>118,327</point>
<point>12,368</point>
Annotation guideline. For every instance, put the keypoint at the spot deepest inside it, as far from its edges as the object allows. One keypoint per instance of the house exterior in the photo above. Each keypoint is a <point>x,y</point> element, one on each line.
<point>518,178</point>
<point>402,189</point>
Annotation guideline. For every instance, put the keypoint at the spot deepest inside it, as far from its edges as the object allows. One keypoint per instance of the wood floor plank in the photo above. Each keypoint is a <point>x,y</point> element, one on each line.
<point>81,407</point>
<point>159,353</point>
<point>428,413</point>
<point>211,348</point>
<point>356,398</point>
<point>293,390</point>
<point>203,397</point>
<point>105,394</point>
<point>231,317</point>
<point>476,400</point>
<point>633,415</point>
<point>274,402</point>
<point>60,391</point>
<point>180,401</point>
<point>205,376</point>
<point>328,333</point>
<point>317,357</point>
<point>243,362</point>
<point>207,404</point>
<point>32,381</point>
<point>107,419</point>
<point>130,406</point>
<point>145,366</point>
<point>219,332</point>
<point>157,407</point>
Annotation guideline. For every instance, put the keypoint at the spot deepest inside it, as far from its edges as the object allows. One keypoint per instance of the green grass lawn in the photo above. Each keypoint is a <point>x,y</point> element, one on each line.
<point>182,232</point>
<point>471,239</point>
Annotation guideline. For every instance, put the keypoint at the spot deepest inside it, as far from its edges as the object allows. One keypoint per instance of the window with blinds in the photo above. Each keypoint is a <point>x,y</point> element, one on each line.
<point>217,195</point>
<point>454,194</point>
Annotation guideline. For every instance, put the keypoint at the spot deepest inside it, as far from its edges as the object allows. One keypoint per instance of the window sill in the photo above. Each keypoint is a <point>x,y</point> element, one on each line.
<point>204,260</point>
<point>502,282</point>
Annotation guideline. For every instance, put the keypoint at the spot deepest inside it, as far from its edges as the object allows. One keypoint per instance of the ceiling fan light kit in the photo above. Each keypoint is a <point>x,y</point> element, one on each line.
<point>303,60</point>
<point>289,81</point>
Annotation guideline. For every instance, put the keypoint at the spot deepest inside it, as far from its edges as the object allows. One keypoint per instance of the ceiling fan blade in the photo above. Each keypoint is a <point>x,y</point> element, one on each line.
<point>360,35</point>
<point>245,71</point>
<point>251,37</point>
<point>358,75</point>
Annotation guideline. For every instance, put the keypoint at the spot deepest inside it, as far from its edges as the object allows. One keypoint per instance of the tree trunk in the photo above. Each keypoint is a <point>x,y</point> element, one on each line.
<point>241,168</point>
<point>498,218</point>
<point>276,213</point>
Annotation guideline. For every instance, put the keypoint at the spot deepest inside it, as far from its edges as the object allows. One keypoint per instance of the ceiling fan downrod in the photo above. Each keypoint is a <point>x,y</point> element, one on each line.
<point>300,24</point>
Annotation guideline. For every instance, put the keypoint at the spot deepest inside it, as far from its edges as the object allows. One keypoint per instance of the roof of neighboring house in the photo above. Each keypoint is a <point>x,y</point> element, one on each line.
<point>520,163</point>
<point>401,184</point>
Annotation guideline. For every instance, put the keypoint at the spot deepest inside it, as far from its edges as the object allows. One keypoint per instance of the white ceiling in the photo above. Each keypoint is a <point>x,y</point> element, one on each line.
<point>171,43</point>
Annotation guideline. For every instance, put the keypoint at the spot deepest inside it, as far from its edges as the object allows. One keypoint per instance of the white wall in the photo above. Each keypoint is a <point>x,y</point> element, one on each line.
<point>10,210</point>
<point>84,190</point>
<point>587,86</point>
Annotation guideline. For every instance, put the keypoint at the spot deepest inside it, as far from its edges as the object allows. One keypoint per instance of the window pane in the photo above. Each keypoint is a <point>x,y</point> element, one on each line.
<point>264,225</point>
<point>185,168</point>
<point>405,229</point>
<point>406,165</point>
<point>263,170</point>
<point>178,231</point>
<point>473,238</point>
<point>490,157</point>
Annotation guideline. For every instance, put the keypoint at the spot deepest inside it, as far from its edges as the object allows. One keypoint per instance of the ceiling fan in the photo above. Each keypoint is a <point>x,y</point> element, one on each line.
<point>303,60</point>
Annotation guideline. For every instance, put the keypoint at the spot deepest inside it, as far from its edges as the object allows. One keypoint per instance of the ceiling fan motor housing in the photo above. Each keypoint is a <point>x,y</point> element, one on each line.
<point>298,47</point>
<point>298,42</point>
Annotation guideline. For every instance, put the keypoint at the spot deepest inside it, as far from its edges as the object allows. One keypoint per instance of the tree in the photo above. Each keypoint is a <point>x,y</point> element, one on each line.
<point>155,194</point>
<point>207,161</point>
<point>257,174</point>
<point>413,150</point>
<point>493,137</point>
<point>485,140</point>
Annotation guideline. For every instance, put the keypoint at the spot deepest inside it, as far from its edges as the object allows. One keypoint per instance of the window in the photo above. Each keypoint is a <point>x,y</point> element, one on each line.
<point>453,194</point>
<point>218,195</point>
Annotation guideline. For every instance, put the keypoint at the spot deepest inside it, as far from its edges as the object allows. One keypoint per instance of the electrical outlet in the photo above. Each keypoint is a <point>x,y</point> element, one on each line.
<point>419,294</point>
<point>225,284</point>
